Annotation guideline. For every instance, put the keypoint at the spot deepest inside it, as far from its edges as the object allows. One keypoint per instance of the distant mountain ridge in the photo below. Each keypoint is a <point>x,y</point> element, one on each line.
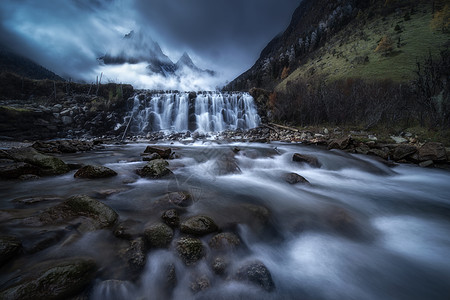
<point>22,66</point>
<point>136,48</point>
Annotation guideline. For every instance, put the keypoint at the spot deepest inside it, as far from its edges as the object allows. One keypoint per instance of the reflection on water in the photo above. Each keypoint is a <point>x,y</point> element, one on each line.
<point>359,230</point>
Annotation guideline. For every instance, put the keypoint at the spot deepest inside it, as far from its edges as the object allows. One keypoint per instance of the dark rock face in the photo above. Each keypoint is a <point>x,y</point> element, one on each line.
<point>53,280</point>
<point>341,144</point>
<point>190,250</point>
<point>163,152</point>
<point>293,178</point>
<point>127,229</point>
<point>198,225</point>
<point>224,241</point>
<point>63,146</point>
<point>171,218</point>
<point>9,247</point>
<point>155,169</point>
<point>303,158</point>
<point>93,172</point>
<point>182,199</point>
<point>9,169</point>
<point>402,151</point>
<point>150,157</point>
<point>432,151</point>
<point>101,215</point>
<point>158,235</point>
<point>257,274</point>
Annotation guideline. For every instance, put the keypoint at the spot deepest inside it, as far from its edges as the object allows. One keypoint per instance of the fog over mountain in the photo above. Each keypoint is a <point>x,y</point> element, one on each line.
<point>68,37</point>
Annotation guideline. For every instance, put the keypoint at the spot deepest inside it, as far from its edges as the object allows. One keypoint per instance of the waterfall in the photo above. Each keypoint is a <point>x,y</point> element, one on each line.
<point>204,112</point>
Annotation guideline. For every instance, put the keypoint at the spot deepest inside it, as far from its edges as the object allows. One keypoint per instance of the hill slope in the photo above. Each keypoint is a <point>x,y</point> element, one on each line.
<point>334,40</point>
<point>13,63</point>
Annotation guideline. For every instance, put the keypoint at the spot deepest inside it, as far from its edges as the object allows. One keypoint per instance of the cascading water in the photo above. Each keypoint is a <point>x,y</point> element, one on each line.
<point>205,112</point>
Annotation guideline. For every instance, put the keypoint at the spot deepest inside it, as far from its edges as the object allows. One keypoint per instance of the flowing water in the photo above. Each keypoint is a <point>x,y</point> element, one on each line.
<point>203,112</point>
<point>359,230</point>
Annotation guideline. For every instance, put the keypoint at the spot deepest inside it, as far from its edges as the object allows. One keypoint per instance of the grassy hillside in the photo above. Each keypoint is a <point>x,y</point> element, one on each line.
<point>351,52</point>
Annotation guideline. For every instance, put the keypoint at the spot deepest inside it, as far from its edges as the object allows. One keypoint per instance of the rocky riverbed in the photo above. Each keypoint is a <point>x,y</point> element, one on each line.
<point>224,218</point>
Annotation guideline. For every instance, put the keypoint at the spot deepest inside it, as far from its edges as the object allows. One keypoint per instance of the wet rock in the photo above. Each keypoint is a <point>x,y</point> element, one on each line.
<point>93,172</point>
<point>402,151</point>
<point>10,246</point>
<point>128,229</point>
<point>135,254</point>
<point>341,220</point>
<point>171,218</point>
<point>171,277</point>
<point>155,169</point>
<point>224,241</point>
<point>164,152</point>
<point>426,164</point>
<point>256,273</point>
<point>151,157</point>
<point>378,152</point>
<point>200,284</point>
<point>341,144</point>
<point>303,158</point>
<point>226,165</point>
<point>158,235</point>
<point>219,265</point>
<point>10,169</point>
<point>28,177</point>
<point>58,279</point>
<point>199,225</point>
<point>293,178</point>
<point>47,165</point>
<point>258,212</point>
<point>101,214</point>
<point>190,250</point>
<point>42,240</point>
<point>398,139</point>
<point>432,151</point>
<point>182,199</point>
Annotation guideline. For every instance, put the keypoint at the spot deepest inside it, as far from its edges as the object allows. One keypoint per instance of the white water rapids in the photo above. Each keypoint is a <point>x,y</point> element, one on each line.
<point>393,244</point>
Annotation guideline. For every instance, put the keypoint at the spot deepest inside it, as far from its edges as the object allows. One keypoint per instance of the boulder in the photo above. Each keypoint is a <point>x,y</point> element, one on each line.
<point>190,250</point>
<point>47,165</point>
<point>378,152</point>
<point>224,241</point>
<point>155,169</point>
<point>199,225</point>
<point>136,254</point>
<point>341,144</point>
<point>200,283</point>
<point>158,235</point>
<point>128,229</point>
<point>171,218</point>
<point>164,152</point>
<point>303,158</point>
<point>182,199</point>
<point>403,151</point>
<point>432,151</point>
<point>151,157</point>
<point>257,274</point>
<point>9,247</point>
<point>38,241</point>
<point>293,178</point>
<point>59,279</point>
<point>93,172</point>
<point>226,165</point>
<point>80,206</point>
<point>219,265</point>
<point>10,169</point>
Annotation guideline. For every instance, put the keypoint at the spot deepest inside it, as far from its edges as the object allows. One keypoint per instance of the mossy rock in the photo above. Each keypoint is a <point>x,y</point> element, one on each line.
<point>224,241</point>
<point>47,165</point>
<point>257,274</point>
<point>158,235</point>
<point>93,172</point>
<point>190,250</point>
<point>155,169</point>
<point>199,225</point>
<point>58,279</point>
<point>80,206</point>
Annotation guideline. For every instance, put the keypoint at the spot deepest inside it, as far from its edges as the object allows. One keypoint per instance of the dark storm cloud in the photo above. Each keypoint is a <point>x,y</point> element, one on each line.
<point>67,36</point>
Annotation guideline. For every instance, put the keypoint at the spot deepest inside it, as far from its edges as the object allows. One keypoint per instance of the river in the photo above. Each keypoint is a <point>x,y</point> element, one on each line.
<point>359,230</point>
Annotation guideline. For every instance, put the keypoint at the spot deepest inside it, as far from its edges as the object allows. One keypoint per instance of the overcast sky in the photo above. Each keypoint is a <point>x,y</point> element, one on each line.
<point>66,36</point>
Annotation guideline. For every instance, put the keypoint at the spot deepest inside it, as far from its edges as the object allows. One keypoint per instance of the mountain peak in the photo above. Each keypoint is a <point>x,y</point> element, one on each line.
<point>185,60</point>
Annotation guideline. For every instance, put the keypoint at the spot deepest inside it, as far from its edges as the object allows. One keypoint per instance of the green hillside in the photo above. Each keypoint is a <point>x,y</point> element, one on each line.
<point>351,52</point>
